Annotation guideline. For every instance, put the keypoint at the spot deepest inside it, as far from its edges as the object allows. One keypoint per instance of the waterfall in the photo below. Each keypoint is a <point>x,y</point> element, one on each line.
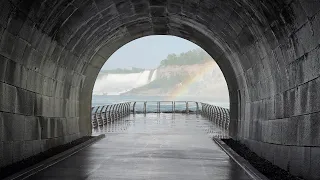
<point>154,75</point>
<point>143,79</point>
<point>118,83</point>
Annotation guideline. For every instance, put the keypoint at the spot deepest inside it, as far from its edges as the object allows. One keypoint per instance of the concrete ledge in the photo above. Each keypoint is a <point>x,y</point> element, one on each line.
<point>53,160</point>
<point>244,164</point>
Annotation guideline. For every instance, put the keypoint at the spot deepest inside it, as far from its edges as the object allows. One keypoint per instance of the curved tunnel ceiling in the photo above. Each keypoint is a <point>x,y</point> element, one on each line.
<point>52,51</point>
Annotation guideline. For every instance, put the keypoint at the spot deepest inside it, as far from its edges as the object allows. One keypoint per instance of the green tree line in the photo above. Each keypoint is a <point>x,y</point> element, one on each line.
<point>196,56</point>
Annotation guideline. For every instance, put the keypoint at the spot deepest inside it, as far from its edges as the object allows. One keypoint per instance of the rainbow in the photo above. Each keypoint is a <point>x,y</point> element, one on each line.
<point>182,89</point>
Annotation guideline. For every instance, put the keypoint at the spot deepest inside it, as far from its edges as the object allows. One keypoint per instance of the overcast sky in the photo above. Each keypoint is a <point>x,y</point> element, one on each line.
<point>147,52</point>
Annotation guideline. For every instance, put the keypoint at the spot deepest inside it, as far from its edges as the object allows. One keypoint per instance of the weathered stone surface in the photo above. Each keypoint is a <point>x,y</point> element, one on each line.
<point>315,163</point>
<point>13,127</point>
<point>7,152</point>
<point>1,127</point>
<point>299,163</point>
<point>18,150</point>
<point>32,128</point>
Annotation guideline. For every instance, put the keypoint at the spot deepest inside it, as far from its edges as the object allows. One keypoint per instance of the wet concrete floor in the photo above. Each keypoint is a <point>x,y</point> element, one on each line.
<point>155,146</point>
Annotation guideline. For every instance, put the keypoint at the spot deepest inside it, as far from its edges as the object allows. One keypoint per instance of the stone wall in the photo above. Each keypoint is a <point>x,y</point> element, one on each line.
<point>51,53</point>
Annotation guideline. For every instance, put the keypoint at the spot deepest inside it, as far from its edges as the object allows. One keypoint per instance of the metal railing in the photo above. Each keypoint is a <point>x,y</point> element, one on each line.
<point>169,110</point>
<point>218,115</point>
<point>102,115</point>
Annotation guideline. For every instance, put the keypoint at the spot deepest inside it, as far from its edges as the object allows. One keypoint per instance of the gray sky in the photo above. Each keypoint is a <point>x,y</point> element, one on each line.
<point>147,52</point>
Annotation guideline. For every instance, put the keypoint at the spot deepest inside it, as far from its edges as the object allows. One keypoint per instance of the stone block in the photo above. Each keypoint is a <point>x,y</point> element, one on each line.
<point>282,156</point>
<point>13,126</point>
<point>45,125</point>
<point>28,149</point>
<point>7,44</point>
<point>306,39</point>
<point>39,83</point>
<point>314,129</point>
<point>256,147</point>
<point>13,73</point>
<point>18,151</point>
<point>268,151</point>
<point>43,146</point>
<point>34,59</point>
<point>16,22</point>
<point>276,131</point>
<point>60,127</point>
<point>310,7</point>
<point>314,95</point>
<point>1,154</point>
<point>7,152</point>
<point>36,147</point>
<point>26,30</point>
<point>5,10</point>
<point>50,143</point>
<point>304,130</point>
<point>25,102</point>
<point>265,131</point>
<point>20,46</point>
<point>290,131</point>
<point>289,102</point>
<point>38,107</point>
<point>32,79</point>
<point>299,163</point>
<point>279,106</point>
<point>1,127</point>
<point>32,128</point>
<point>315,21</point>
<point>303,107</point>
<point>3,64</point>
<point>315,163</point>
<point>301,16</point>
<point>8,95</point>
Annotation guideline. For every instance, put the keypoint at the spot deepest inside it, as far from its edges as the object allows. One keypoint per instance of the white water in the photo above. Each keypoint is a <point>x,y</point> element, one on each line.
<point>115,84</point>
<point>143,79</point>
<point>154,75</point>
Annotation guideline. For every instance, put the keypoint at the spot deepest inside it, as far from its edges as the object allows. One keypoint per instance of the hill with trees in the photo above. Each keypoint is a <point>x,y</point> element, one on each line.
<point>196,56</point>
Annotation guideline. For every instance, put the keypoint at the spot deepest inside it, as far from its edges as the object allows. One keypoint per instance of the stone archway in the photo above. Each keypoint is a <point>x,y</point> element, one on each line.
<point>52,51</point>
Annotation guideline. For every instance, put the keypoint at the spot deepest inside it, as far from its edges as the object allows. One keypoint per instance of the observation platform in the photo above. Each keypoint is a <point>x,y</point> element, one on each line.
<point>159,146</point>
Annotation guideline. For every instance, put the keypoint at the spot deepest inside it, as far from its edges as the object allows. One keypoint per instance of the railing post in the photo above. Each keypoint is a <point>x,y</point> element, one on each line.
<point>145,107</point>
<point>113,111</point>
<point>105,115</point>
<point>215,115</point>
<point>118,111</point>
<point>203,109</point>
<point>157,107</point>
<point>99,116</point>
<point>206,110</point>
<point>95,120</point>
<point>187,107</point>
<point>122,110</point>
<point>174,107</point>
<point>128,108</point>
<point>134,107</point>
<point>197,110</point>
<point>210,111</point>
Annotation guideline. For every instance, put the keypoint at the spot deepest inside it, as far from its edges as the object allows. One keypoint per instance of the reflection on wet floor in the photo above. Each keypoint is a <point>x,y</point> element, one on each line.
<point>152,146</point>
<point>157,121</point>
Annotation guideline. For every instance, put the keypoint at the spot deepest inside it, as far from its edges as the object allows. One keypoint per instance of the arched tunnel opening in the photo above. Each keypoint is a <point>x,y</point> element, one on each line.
<point>52,51</point>
<point>160,68</point>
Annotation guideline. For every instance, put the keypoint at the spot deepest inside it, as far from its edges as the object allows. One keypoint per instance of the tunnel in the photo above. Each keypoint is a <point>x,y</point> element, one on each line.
<point>51,52</point>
